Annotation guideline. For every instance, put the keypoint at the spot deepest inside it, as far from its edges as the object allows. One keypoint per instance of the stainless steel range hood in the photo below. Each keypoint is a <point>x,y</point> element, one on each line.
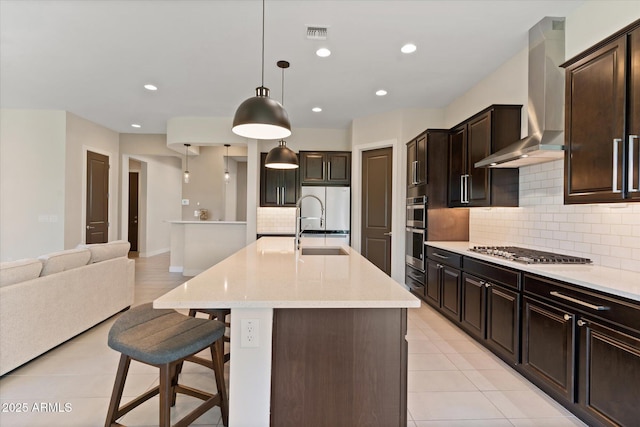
<point>546,102</point>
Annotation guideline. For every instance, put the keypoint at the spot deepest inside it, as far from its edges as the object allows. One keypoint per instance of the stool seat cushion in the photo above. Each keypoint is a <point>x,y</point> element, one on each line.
<point>158,336</point>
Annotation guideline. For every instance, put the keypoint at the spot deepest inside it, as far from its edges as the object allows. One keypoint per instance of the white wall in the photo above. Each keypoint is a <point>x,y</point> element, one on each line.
<point>32,182</point>
<point>393,129</point>
<point>608,234</point>
<point>160,189</point>
<point>82,136</point>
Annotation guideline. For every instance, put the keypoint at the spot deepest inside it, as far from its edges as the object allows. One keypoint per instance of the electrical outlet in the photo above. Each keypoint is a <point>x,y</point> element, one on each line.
<point>185,202</point>
<point>250,333</point>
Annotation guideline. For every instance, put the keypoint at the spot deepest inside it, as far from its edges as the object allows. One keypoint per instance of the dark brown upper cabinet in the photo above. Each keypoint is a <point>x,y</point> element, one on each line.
<point>417,165</point>
<point>602,121</point>
<point>471,141</point>
<point>325,168</point>
<point>278,187</point>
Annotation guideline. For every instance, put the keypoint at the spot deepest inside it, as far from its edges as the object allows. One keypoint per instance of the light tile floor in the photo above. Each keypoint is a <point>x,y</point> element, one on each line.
<point>452,381</point>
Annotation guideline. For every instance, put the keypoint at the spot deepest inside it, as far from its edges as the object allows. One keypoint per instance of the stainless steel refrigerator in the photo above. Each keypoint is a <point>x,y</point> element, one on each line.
<point>337,212</point>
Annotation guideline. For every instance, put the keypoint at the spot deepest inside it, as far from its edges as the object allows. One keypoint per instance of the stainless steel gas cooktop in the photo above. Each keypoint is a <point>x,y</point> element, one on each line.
<point>529,256</point>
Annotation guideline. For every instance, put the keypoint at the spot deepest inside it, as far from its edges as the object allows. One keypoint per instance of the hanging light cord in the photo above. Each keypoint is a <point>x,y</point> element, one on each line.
<point>283,86</point>
<point>262,84</point>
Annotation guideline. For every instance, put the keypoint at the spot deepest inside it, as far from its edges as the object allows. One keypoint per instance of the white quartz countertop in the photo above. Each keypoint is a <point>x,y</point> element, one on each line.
<point>610,280</point>
<point>269,273</point>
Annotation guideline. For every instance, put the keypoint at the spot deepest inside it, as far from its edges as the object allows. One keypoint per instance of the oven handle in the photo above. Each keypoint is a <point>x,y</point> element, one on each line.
<point>437,255</point>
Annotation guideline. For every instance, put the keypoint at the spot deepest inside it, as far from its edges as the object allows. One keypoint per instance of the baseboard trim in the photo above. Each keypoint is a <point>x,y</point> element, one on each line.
<point>175,269</point>
<point>154,253</point>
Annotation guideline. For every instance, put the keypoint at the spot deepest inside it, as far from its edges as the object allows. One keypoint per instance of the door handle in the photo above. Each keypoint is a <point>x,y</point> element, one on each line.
<point>614,186</point>
<point>89,227</point>
<point>388,234</point>
<point>631,187</point>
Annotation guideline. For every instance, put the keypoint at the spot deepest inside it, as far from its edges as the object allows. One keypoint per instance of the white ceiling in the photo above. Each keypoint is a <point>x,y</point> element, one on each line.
<point>92,57</point>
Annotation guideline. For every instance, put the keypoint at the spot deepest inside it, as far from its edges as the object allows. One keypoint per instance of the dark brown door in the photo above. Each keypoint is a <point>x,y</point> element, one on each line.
<point>473,313</point>
<point>548,346</point>
<point>503,333</point>
<point>133,210</point>
<point>594,125</point>
<point>432,283</point>
<point>312,168</point>
<point>376,207</point>
<point>339,168</point>
<point>633,114</point>
<point>479,147</point>
<point>451,292</point>
<point>457,164</point>
<point>97,198</point>
<point>609,374</point>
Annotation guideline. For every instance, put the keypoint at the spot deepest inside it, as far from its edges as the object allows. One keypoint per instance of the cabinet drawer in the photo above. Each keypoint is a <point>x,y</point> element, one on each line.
<point>414,279</point>
<point>618,311</point>
<point>444,257</point>
<point>493,273</point>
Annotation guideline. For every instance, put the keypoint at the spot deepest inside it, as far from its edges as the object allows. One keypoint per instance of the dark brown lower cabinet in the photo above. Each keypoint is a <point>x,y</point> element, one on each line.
<point>451,292</point>
<point>339,367</point>
<point>432,283</point>
<point>491,314</point>
<point>548,335</point>
<point>609,380</point>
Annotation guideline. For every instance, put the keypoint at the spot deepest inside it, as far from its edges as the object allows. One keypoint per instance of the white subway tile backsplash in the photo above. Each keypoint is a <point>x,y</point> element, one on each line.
<point>276,220</point>
<point>609,234</point>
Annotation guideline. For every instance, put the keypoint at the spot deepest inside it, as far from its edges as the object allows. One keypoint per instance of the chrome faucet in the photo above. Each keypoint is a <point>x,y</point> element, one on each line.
<point>299,217</point>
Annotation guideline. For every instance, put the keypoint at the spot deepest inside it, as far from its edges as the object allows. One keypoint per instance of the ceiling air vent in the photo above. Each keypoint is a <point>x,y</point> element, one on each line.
<point>316,33</point>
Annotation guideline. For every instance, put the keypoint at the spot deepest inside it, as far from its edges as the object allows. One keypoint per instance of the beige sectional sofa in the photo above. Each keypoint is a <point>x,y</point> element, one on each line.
<point>46,301</point>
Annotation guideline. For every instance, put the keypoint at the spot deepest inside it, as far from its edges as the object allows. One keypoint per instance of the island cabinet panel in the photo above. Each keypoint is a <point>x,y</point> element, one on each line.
<point>609,384</point>
<point>339,367</point>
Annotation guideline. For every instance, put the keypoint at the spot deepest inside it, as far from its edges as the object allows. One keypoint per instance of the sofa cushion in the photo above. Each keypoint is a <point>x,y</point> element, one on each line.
<point>19,271</point>
<point>104,251</point>
<point>64,260</point>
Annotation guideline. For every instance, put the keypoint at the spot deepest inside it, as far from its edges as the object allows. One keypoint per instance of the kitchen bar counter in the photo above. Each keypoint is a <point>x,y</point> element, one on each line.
<point>343,294</point>
<point>621,283</point>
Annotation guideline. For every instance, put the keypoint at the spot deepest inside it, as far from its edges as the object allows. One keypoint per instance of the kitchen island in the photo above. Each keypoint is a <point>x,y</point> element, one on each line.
<point>315,339</point>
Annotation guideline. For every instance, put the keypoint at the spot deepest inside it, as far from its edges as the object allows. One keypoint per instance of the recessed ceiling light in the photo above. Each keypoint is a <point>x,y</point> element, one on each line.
<point>150,87</point>
<point>323,52</point>
<point>135,125</point>
<point>408,48</point>
<point>381,92</point>
<point>316,109</point>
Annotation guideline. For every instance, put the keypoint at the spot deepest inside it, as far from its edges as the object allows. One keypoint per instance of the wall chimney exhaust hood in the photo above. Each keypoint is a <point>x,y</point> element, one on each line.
<point>546,102</point>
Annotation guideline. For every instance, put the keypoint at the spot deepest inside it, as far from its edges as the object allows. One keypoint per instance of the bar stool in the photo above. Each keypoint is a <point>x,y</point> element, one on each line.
<point>165,339</point>
<point>219,314</point>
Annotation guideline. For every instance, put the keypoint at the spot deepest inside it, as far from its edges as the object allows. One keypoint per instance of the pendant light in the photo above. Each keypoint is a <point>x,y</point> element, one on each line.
<point>186,169</point>
<point>281,157</point>
<point>261,117</point>
<point>226,168</point>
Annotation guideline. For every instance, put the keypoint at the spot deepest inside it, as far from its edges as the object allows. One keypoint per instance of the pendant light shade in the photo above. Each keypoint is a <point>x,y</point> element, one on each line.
<point>281,157</point>
<point>261,117</point>
<point>186,176</point>
<point>227,175</point>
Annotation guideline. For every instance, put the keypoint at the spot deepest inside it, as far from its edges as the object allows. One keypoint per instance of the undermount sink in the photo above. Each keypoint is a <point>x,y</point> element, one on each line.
<point>323,250</point>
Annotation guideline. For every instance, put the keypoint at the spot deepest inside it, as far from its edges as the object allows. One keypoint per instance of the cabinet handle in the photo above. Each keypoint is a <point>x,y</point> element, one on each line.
<point>284,195</point>
<point>415,172</point>
<point>566,317</point>
<point>461,188</point>
<point>488,285</point>
<point>577,301</point>
<point>324,168</point>
<point>581,323</point>
<point>277,195</point>
<point>437,255</point>
<point>616,142</point>
<point>439,266</point>
<point>466,188</point>
<point>631,187</point>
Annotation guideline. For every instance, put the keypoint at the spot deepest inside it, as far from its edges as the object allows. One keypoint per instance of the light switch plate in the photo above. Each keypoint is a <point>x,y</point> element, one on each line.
<point>185,202</point>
